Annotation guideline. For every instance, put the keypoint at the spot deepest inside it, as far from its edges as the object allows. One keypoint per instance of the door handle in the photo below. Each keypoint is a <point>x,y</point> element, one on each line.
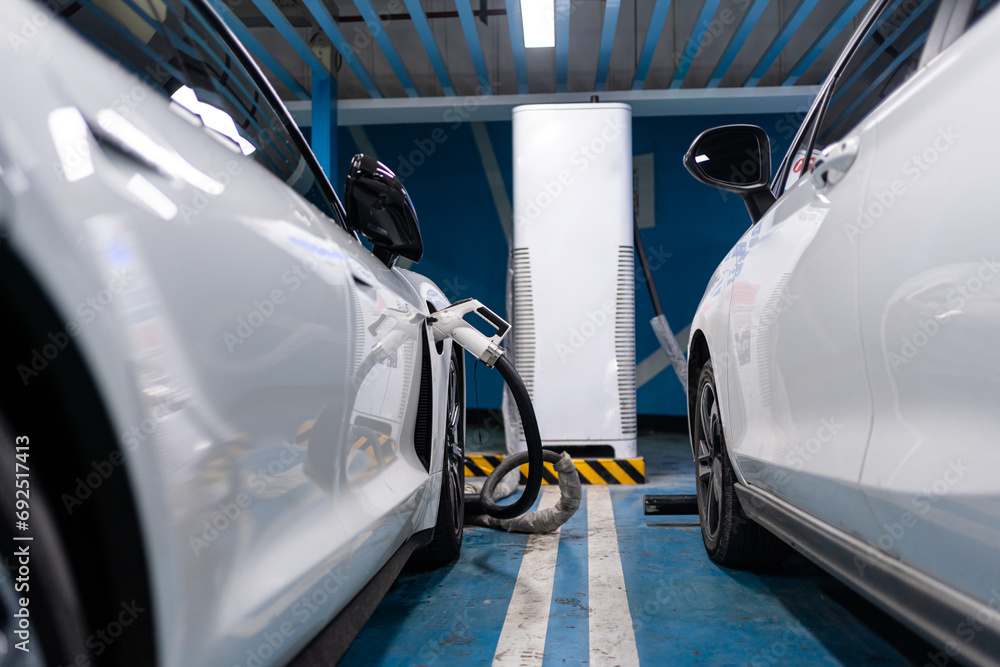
<point>834,162</point>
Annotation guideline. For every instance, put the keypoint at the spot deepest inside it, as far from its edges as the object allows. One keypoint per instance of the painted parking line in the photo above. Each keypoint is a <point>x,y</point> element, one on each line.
<point>522,639</point>
<point>612,640</point>
<point>683,609</point>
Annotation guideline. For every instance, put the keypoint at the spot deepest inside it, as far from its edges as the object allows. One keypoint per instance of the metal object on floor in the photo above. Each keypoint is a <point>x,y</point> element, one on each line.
<point>674,505</point>
<point>591,470</point>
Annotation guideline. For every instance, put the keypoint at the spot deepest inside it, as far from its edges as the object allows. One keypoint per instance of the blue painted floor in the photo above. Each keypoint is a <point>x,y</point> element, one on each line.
<point>685,610</point>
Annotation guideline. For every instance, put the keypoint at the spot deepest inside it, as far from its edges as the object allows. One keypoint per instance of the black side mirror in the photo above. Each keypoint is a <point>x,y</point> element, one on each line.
<point>379,209</point>
<point>735,158</point>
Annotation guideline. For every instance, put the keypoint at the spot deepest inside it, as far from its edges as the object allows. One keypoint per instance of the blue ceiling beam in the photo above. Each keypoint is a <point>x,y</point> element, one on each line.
<point>294,39</point>
<point>611,8</point>
<point>427,38</point>
<point>687,56</point>
<point>649,46</point>
<point>468,20</point>
<point>257,49</point>
<point>562,43</point>
<point>835,27</point>
<point>517,44</point>
<point>378,32</point>
<point>329,27</point>
<point>736,43</point>
<point>780,41</point>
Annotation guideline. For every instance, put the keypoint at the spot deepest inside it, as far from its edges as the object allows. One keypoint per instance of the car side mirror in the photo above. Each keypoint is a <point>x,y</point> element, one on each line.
<point>379,208</point>
<point>735,158</point>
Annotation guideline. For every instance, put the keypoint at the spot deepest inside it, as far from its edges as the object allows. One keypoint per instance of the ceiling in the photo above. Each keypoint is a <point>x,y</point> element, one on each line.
<point>441,48</point>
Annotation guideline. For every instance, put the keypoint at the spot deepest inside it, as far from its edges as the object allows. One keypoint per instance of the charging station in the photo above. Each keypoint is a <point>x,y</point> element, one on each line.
<point>572,278</point>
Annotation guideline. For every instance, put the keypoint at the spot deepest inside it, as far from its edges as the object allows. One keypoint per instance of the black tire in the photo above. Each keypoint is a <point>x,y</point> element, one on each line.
<point>43,577</point>
<point>731,538</point>
<point>446,544</point>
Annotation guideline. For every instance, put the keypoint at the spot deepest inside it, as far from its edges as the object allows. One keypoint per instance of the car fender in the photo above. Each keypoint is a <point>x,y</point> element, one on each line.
<point>433,298</point>
<point>711,322</point>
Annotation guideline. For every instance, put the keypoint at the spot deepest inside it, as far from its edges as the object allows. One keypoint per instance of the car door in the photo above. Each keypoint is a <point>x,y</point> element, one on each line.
<point>802,407</point>
<point>930,305</point>
<point>250,316</point>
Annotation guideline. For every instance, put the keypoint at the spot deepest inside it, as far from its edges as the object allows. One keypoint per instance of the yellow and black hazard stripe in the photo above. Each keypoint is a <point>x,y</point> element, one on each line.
<point>592,471</point>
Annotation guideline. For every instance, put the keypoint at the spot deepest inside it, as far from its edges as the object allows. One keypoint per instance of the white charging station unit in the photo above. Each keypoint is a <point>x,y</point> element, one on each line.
<point>572,300</point>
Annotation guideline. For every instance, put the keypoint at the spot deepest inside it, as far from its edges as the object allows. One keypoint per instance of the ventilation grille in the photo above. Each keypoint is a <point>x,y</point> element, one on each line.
<point>523,316</point>
<point>425,406</point>
<point>764,328</point>
<point>625,339</point>
<point>524,320</point>
<point>405,357</point>
<point>358,329</point>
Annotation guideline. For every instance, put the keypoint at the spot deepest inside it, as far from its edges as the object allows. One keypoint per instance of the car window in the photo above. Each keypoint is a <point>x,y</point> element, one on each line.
<point>982,7</point>
<point>173,47</point>
<point>884,60</point>
<point>885,57</point>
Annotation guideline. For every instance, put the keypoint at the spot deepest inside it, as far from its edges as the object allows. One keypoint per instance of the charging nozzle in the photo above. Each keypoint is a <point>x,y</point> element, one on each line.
<point>449,323</point>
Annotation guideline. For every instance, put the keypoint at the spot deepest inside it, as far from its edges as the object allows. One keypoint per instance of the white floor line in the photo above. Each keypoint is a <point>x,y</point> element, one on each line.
<point>522,639</point>
<point>612,639</point>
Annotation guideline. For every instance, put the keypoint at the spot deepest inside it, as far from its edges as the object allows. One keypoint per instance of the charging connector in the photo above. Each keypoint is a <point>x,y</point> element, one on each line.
<point>450,323</point>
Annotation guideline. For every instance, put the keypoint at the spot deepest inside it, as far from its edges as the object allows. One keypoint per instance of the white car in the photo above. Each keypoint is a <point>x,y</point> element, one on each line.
<point>844,367</point>
<point>225,423</point>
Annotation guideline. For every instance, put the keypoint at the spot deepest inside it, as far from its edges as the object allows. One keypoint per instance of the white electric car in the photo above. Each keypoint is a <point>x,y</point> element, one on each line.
<point>225,423</point>
<point>844,370</point>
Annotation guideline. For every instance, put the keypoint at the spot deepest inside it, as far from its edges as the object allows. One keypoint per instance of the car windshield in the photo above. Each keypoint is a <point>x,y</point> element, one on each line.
<point>173,46</point>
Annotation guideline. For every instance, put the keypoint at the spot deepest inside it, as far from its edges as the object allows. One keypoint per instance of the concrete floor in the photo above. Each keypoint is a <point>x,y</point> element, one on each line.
<point>682,608</point>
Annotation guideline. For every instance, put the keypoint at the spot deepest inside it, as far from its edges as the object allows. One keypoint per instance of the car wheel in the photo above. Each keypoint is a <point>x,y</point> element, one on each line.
<point>731,538</point>
<point>447,541</point>
<point>37,571</point>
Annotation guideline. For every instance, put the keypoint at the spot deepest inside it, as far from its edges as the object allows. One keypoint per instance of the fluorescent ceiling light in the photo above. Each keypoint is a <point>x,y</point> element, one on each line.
<point>538,17</point>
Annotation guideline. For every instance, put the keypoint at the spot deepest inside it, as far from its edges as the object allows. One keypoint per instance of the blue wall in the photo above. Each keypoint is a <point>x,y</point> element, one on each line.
<point>466,254</point>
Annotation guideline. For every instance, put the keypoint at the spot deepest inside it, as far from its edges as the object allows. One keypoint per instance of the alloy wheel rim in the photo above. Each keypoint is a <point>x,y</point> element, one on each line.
<point>710,452</point>
<point>454,456</point>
